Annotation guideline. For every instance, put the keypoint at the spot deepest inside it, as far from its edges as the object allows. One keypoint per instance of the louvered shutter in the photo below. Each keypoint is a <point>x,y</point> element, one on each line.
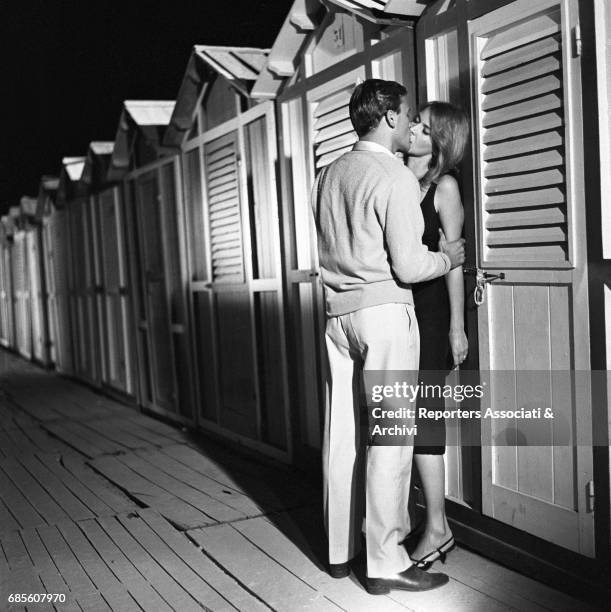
<point>222,182</point>
<point>333,132</point>
<point>521,117</point>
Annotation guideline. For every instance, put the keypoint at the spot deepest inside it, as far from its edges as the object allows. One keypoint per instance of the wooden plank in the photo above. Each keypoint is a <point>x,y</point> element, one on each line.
<point>541,123</point>
<point>261,574</point>
<point>19,506</point>
<point>164,584</point>
<point>7,447</point>
<point>74,440</point>
<point>150,494</point>
<point>518,591</point>
<point>71,505</point>
<point>200,563</point>
<point>42,441</point>
<point>92,602</point>
<point>213,508</point>
<point>284,541</point>
<point>521,34</point>
<point>137,430</point>
<point>148,599</point>
<point>528,108</point>
<point>7,521</point>
<point>524,181</point>
<point>525,163</point>
<point>86,440</point>
<point>45,505</point>
<point>87,497</point>
<point>273,489</point>
<point>167,431</point>
<point>116,434</point>
<point>521,146</point>
<point>70,569</point>
<point>521,55</point>
<point>24,581</point>
<point>521,73</point>
<point>106,582</point>
<point>231,497</point>
<point>174,565</point>
<point>15,551</point>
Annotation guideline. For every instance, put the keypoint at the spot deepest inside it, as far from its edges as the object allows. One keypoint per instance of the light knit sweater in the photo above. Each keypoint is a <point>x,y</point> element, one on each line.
<point>369,223</point>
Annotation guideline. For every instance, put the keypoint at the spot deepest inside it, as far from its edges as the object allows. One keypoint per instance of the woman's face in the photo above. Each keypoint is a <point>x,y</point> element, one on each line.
<point>421,134</point>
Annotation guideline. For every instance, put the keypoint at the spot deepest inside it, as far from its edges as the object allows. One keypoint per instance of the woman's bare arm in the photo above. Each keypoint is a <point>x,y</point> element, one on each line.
<point>451,215</point>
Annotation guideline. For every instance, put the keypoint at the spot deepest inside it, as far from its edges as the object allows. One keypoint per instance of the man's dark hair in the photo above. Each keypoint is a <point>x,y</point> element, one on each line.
<point>370,100</point>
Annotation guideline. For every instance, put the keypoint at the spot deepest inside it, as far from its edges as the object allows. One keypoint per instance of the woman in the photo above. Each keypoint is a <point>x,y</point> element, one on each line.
<point>440,135</point>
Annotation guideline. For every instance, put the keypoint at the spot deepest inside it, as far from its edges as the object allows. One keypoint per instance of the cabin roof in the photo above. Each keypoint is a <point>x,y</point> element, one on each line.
<point>101,147</point>
<point>149,112</point>
<point>73,167</point>
<point>384,11</point>
<point>241,67</point>
<point>49,183</point>
<point>149,116</point>
<point>281,63</point>
<point>98,159</point>
<point>303,18</point>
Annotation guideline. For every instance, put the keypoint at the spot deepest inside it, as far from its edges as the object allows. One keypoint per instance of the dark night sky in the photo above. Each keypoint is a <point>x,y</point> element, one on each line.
<point>67,66</point>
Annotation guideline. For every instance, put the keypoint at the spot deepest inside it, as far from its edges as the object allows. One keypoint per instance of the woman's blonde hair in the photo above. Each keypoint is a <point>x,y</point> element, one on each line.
<point>449,136</point>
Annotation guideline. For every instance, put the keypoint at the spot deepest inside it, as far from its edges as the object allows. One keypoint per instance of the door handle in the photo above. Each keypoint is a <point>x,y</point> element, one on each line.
<point>481,280</point>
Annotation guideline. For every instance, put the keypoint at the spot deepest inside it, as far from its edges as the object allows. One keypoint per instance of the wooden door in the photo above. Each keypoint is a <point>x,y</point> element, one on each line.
<point>36,287</point>
<point>59,291</point>
<point>118,335</point>
<point>6,296</point>
<point>236,281</point>
<point>533,324</point>
<point>21,292</point>
<point>154,321</point>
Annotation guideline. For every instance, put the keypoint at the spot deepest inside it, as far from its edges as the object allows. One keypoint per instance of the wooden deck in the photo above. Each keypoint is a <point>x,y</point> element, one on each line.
<point>118,511</point>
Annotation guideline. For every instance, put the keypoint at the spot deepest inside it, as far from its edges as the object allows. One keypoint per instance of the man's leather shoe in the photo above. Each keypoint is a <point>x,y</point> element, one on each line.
<point>411,579</point>
<point>339,570</point>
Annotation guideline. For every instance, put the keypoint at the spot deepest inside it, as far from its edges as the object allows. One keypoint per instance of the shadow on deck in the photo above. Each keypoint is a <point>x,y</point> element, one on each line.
<point>115,510</point>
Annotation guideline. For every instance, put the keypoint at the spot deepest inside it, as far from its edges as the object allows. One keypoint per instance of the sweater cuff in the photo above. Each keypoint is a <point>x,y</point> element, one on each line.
<point>447,261</point>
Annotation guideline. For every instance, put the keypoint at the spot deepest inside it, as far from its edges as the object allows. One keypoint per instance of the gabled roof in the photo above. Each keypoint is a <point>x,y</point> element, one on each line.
<point>281,63</point>
<point>28,205</point>
<point>74,167</point>
<point>70,173</point>
<point>241,67</point>
<point>47,191</point>
<point>303,18</point>
<point>151,117</point>
<point>98,159</point>
<point>384,11</point>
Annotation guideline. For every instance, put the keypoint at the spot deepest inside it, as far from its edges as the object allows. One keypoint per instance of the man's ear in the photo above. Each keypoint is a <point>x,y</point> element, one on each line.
<point>390,116</point>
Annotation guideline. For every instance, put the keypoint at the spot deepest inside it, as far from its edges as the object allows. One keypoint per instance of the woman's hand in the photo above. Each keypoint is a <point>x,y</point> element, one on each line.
<point>459,345</point>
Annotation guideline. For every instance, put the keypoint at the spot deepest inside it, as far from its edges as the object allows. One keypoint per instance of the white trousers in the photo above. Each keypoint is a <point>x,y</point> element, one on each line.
<point>382,337</point>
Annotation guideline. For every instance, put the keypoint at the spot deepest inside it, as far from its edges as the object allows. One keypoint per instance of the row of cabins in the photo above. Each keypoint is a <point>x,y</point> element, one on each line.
<point>176,267</point>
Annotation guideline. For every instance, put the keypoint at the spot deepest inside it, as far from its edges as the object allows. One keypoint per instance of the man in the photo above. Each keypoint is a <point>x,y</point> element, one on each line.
<point>369,224</point>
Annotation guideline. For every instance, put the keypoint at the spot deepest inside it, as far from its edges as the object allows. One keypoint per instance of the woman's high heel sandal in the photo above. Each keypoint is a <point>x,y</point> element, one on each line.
<point>439,553</point>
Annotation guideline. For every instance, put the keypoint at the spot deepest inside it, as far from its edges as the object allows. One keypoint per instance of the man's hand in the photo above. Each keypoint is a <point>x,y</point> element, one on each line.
<point>455,249</point>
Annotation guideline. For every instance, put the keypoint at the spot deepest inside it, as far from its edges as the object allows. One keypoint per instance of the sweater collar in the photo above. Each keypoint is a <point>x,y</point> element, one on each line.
<point>374,147</point>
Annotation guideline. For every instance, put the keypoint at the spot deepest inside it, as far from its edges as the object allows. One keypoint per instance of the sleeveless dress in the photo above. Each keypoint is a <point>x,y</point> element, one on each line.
<point>432,305</point>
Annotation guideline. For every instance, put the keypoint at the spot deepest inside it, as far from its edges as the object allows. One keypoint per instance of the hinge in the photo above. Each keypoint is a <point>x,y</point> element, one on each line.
<point>577,44</point>
<point>590,496</point>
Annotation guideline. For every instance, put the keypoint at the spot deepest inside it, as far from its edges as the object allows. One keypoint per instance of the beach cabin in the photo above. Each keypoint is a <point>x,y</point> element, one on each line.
<point>37,286</point>
<point>22,316</point>
<point>113,286</point>
<point>73,195</point>
<point>228,147</point>
<point>7,328</point>
<point>534,79</point>
<point>57,272</point>
<point>152,195</point>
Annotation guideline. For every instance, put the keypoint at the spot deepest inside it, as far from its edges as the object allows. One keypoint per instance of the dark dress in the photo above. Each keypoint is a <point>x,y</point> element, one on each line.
<point>432,305</point>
